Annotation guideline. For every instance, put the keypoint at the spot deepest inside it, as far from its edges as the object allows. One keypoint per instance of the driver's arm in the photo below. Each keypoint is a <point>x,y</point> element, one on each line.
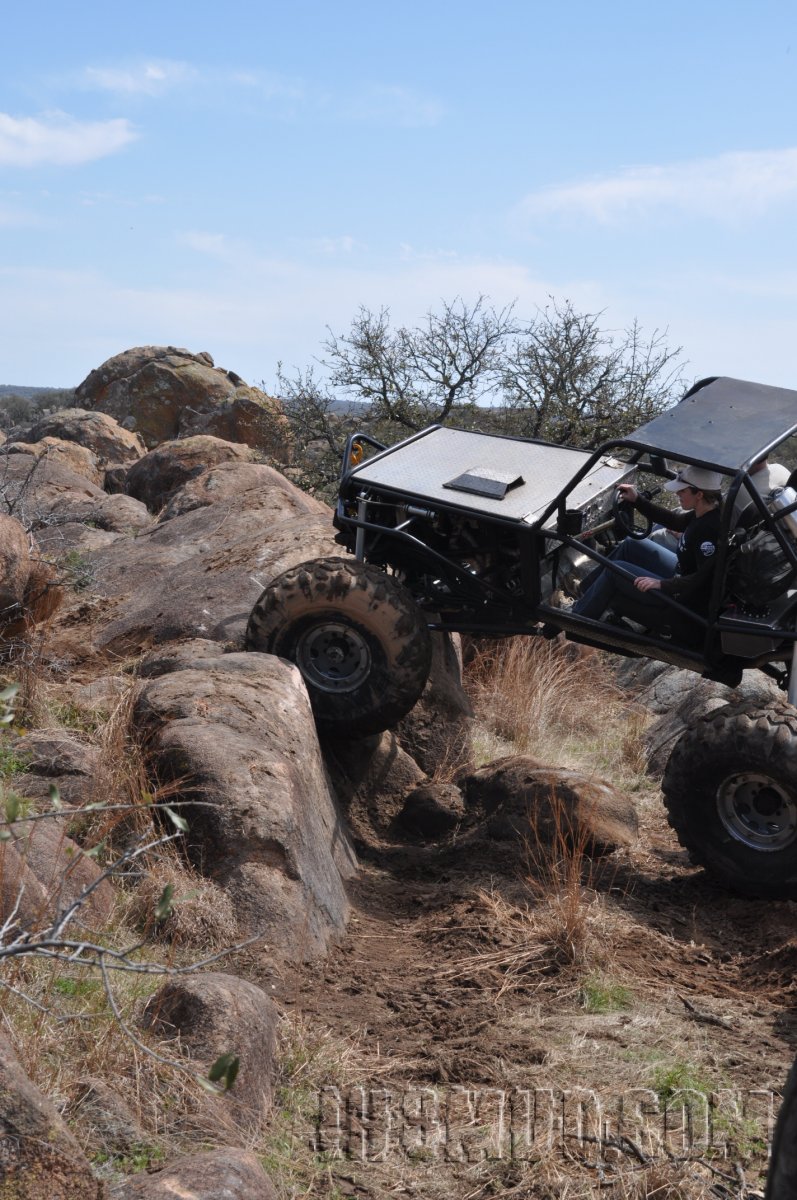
<point>675,519</point>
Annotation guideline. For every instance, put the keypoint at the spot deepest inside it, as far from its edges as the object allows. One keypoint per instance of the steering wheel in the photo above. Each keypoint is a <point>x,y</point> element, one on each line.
<point>625,515</point>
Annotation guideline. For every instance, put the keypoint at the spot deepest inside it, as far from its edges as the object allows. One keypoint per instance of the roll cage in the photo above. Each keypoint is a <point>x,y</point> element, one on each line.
<point>485,563</point>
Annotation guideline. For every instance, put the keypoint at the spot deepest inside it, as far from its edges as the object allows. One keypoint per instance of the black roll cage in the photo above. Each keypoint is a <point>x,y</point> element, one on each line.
<point>505,613</point>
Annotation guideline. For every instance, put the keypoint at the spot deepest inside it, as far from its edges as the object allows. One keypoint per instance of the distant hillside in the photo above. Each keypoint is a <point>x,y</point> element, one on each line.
<point>9,389</point>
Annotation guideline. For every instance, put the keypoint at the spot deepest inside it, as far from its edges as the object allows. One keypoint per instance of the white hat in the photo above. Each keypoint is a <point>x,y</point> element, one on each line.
<point>697,477</point>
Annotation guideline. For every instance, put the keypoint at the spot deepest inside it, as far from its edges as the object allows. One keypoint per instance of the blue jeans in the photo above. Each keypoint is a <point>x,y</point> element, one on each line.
<point>606,590</point>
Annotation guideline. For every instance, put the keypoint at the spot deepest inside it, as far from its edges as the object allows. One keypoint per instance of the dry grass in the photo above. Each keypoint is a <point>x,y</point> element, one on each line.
<point>203,915</point>
<point>556,702</point>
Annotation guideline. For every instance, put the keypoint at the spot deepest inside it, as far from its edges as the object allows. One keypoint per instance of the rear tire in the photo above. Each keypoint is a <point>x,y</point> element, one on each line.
<point>357,636</point>
<point>730,788</point>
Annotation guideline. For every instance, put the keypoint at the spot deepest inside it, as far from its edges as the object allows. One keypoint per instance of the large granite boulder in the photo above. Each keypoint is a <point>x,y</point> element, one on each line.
<point>40,1157</point>
<point>43,872</point>
<point>236,734</point>
<point>29,588</point>
<point>14,565</point>
<point>198,574</point>
<point>39,490</point>
<point>77,458</point>
<point>102,435</point>
<point>157,476</point>
<point>163,392</point>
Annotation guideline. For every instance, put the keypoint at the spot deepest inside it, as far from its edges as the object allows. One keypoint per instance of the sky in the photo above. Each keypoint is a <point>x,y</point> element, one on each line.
<point>241,177</point>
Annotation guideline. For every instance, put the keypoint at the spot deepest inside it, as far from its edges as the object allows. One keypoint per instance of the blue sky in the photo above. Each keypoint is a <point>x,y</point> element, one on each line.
<point>235,177</point>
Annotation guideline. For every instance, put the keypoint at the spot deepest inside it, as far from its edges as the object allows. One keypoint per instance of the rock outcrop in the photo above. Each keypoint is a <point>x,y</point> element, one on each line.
<point>77,458</point>
<point>163,392</point>
<point>42,872</point>
<point>110,443</point>
<point>157,476</point>
<point>40,1157</point>
<point>199,573</point>
<point>236,734</point>
<point>14,566</point>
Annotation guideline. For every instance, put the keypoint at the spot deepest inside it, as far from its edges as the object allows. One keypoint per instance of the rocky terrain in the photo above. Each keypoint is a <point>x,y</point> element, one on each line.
<point>462,958</point>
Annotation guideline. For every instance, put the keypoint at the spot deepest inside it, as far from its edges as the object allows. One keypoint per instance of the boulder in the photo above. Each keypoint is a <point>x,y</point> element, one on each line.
<point>157,476</point>
<point>77,458</point>
<point>163,392</point>
<point>56,753</point>
<point>523,802</point>
<point>436,732</point>
<point>42,490</point>
<point>14,565</point>
<point>199,574</point>
<point>244,483</point>
<point>56,758</point>
<point>371,777</point>
<point>215,1014</point>
<point>432,811</point>
<point>72,538</point>
<point>176,656</point>
<point>208,1175</point>
<point>42,872</point>
<point>39,1157</point>
<point>99,433</point>
<point>236,733</point>
<point>41,597</point>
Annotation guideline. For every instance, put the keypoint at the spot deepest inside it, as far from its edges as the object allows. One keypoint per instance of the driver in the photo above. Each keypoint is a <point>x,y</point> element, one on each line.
<point>684,574</point>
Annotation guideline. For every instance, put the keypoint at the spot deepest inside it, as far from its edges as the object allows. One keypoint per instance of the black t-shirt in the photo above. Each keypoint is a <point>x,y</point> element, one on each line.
<point>696,552</point>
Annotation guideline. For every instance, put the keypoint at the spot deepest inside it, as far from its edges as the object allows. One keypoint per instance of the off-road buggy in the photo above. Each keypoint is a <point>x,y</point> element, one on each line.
<point>463,531</point>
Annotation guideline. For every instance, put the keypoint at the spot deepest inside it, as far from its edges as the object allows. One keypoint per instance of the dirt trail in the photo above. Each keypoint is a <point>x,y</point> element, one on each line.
<point>454,977</point>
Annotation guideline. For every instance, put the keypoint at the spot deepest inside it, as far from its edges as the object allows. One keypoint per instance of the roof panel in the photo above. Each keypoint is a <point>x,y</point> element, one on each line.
<point>423,466</point>
<point>726,423</point>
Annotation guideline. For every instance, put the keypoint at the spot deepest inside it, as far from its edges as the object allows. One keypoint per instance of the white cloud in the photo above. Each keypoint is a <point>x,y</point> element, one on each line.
<point>60,140</point>
<point>143,78</point>
<point>727,187</point>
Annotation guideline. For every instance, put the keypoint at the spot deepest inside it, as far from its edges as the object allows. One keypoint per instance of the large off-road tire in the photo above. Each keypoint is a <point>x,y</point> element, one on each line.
<point>782,1174</point>
<point>730,788</point>
<point>357,636</point>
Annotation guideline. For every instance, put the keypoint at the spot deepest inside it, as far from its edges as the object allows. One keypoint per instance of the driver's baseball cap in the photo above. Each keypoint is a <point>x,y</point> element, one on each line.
<point>696,477</point>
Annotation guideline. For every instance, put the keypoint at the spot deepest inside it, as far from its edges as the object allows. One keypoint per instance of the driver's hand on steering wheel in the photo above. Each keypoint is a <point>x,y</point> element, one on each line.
<point>627,493</point>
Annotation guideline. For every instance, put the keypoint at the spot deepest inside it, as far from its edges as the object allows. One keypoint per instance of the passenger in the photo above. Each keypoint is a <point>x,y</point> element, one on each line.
<point>764,476</point>
<point>684,574</point>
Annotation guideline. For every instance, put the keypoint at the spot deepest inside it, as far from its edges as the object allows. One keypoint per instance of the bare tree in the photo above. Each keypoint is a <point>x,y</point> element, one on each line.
<point>320,425</point>
<point>417,377</point>
<point>565,380</point>
<point>559,377</point>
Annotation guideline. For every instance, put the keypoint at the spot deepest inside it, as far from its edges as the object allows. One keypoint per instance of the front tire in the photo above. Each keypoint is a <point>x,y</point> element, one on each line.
<point>357,637</point>
<point>730,788</point>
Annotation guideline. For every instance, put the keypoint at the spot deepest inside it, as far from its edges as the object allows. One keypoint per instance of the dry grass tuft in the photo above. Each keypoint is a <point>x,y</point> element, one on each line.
<point>556,702</point>
<point>531,690</point>
<point>202,916</point>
